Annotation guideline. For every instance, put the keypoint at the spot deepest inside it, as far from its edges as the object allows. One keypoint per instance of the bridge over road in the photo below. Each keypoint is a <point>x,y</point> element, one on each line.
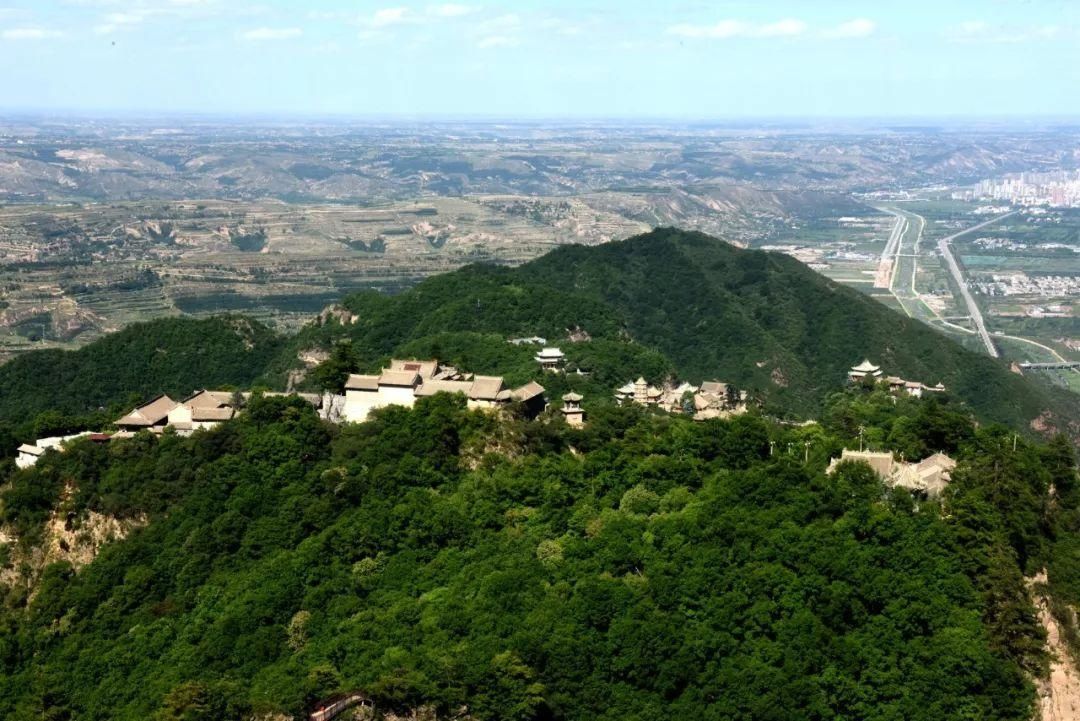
<point>1057,365</point>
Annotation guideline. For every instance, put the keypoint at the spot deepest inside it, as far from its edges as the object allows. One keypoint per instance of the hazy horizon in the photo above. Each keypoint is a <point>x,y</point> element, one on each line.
<point>690,61</point>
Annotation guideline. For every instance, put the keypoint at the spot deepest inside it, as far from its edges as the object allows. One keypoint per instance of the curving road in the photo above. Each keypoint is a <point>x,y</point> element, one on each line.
<point>958,276</point>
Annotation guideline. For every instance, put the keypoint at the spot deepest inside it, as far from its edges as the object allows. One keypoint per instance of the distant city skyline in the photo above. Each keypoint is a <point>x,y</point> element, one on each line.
<point>529,59</point>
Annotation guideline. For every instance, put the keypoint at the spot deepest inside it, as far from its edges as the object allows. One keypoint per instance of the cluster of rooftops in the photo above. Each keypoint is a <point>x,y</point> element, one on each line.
<point>712,399</point>
<point>403,381</point>
<point>929,476</point>
<point>200,410</point>
<point>204,409</point>
<point>866,369</point>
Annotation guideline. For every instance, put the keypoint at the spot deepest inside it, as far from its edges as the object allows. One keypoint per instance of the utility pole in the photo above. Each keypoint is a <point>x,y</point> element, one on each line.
<point>806,453</point>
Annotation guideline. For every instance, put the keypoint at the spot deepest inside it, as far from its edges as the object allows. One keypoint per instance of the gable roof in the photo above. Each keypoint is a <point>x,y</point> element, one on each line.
<point>486,388</point>
<point>938,460</point>
<point>358,382</point>
<point>716,387</point>
<point>430,388</point>
<point>150,414</point>
<point>208,399</point>
<point>426,368</point>
<point>31,450</point>
<point>212,414</point>
<point>402,378</point>
<point>881,462</point>
<point>527,392</point>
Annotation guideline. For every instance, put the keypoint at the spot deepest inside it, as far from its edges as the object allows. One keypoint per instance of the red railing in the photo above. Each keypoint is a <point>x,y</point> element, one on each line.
<point>331,709</point>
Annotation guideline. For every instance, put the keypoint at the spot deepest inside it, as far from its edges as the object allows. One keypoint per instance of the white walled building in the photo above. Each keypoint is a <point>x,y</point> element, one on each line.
<point>406,380</point>
<point>28,455</point>
<point>551,359</point>
<point>202,410</point>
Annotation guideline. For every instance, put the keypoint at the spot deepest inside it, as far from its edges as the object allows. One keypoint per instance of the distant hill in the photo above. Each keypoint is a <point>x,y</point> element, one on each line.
<point>172,355</point>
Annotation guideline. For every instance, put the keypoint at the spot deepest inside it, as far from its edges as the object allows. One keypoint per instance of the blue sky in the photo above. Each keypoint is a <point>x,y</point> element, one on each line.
<point>590,58</point>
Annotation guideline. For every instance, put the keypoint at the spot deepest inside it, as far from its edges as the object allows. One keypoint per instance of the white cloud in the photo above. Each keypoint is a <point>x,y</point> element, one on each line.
<point>501,31</point>
<point>120,21</point>
<point>980,31</point>
<point>29,34</point>
<point>132,14</point>
<point>721,30</point>
<point>384,22</point>
<point>390,16</point>
<point>787,27</point>
<point>451,10</point>
<point>508,22</point>
<point>857,28</point>
<point>497,41</point>
<point>271,33</point>
<point>560,26</point>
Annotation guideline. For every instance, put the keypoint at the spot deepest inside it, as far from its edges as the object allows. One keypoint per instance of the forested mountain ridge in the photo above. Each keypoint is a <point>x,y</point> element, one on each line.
<point>170,355</point>
<point>762,321</point>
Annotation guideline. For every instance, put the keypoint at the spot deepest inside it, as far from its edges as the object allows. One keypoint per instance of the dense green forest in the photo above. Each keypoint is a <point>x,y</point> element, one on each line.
<point>643,567</point>
<point>52,392</point>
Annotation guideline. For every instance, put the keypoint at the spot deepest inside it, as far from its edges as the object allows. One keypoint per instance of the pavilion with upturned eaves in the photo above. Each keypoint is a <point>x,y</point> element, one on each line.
<point>864,369</point>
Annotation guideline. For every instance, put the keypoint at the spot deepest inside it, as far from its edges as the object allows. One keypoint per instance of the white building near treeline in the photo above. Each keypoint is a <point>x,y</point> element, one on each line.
<point>28,455</point>
<point>551,359</point>
<point>406,380</point>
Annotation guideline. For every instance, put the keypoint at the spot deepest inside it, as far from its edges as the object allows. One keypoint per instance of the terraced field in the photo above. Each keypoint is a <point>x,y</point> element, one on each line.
<point>73,272</point>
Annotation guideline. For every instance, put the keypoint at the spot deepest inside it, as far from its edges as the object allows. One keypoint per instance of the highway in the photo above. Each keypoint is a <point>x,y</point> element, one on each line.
<point>887,264</point>
<point>958,276</point>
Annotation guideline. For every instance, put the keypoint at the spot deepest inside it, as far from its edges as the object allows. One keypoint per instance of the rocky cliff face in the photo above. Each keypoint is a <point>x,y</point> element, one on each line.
<point>66,539</point>
<point>1059,693</point>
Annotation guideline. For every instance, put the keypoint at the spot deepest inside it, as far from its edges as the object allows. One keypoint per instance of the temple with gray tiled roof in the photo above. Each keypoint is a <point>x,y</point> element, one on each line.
<point>712,399</point>
<point>928,477</point>
<point>866,369</point>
